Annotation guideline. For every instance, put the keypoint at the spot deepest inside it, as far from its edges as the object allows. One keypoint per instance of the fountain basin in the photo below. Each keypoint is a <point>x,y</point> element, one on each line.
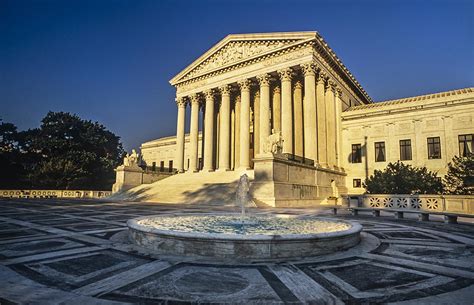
<point>285,238</point>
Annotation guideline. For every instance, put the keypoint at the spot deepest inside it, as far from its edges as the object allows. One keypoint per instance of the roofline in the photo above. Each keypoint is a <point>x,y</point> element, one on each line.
<point>411,99</point>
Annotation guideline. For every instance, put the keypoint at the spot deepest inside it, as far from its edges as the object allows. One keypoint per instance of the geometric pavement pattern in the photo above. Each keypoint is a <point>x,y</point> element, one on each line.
<point>71,252</point>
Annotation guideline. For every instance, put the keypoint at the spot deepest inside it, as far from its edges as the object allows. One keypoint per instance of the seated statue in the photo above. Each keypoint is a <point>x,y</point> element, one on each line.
<point>274,144</point>
<point>131,159</point>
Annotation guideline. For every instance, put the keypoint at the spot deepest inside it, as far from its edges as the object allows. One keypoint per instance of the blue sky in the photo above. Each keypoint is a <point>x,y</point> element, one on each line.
<point>111,60</point>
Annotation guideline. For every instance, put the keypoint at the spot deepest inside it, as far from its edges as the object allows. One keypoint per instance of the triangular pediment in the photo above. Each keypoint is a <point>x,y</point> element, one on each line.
<point>237,48</point>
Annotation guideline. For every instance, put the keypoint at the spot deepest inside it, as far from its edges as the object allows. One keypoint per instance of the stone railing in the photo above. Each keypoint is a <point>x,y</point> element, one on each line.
<point>454,204</point>
<point>53,194</point>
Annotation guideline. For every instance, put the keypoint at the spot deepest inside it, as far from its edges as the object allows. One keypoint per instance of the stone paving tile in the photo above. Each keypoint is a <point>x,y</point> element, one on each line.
<point>72,250</point>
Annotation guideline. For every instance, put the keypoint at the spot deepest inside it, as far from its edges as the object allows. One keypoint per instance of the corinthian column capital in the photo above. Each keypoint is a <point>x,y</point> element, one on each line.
<point>298,85</point>
<point>225,90</point>
<point>264,79</point>
<point>338,92</point>
<point>245,84</point>
<point>195,99</point>
<point>286,74</point>
<point>308,68</point>
<point>321,77</point>
<point>332,85</point>
<point>209,94</point>
<point>181,102</point>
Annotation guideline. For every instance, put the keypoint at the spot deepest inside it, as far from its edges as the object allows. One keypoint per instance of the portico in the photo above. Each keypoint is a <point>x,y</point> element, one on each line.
<point>265,82</point>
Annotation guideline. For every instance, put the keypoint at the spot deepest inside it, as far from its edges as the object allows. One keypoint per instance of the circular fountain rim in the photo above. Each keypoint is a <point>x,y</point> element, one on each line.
<point>355,227</point>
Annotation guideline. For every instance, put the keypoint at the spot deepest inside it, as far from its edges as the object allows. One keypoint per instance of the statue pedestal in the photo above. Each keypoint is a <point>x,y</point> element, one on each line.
<point>280,182</point>
<point>127,177</point>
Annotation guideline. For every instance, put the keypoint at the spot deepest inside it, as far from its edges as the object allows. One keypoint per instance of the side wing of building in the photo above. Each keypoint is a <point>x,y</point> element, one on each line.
<point>426,130</point>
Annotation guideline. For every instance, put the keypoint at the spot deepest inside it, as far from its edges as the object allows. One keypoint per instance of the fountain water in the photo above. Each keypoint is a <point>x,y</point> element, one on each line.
<point>243,237</point>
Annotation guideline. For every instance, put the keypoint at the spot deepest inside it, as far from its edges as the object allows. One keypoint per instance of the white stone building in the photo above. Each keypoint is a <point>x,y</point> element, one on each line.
<point>249,86</point>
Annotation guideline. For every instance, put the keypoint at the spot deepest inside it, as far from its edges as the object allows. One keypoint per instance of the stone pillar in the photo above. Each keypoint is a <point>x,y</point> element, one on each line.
<point>256,123</point>
<point>330,123</point>
<point>245,124</point>
<point>181,102</point>
<point>237,132</point>
<point>298,118</point>
<point>286,110</point>
<point>309,112</point>
<point>321,119</point>
<point>194,134</point>
<point>224,130</point>
<point>276,108</point>
<point>339,128</point>
<point>264,81</point>
<point>209,131</point>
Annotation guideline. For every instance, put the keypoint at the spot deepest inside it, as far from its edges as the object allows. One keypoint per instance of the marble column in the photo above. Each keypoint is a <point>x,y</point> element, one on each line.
<point>244,124</point>
<point>330,123</point>
<point>321,118</point>
<point>181,102</point>
<point>309,112</point>
<point>224,130</point>
<point>339,128</point>
<point>286,110</point>
<point>264,81</point>
<point>209,131</point>
<point>298,118</point>
<point>276,109</point>
<point>237,131</point>
<point>194,134</point>
<point>256,123</point>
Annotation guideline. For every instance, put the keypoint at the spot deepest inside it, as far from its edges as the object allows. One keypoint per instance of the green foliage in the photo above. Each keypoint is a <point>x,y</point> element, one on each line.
<point>399,178</point>
<point>460,177</point>
<point>65,152</point>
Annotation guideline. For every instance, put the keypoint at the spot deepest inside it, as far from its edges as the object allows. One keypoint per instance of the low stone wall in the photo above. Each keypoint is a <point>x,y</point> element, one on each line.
<point>53,194</point>
<point>455,204</point>
<point>280,182</point>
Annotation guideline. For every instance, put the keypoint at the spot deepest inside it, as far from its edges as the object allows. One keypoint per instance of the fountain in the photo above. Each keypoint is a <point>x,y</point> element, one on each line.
<point>243,236</point>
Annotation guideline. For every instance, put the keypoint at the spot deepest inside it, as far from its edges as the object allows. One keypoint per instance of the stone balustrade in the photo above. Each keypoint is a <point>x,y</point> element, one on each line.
<point>452,204</point>
<point>53,194</point>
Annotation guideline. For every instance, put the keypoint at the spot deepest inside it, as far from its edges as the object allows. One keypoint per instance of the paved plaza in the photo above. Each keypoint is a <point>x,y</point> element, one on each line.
<point>77,252</point>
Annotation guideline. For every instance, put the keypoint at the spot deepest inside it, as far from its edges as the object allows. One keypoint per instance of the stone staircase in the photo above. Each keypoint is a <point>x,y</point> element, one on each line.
<point>209,188</point>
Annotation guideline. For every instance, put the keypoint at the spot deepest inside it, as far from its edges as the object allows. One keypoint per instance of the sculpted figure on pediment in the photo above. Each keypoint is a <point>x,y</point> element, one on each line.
<point>235,51</point>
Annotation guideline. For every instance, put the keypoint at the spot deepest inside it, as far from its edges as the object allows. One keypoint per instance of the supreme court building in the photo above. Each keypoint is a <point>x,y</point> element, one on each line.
<point>250,86</point>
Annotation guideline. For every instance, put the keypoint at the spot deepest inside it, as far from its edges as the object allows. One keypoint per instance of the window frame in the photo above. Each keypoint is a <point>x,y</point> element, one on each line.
<point>465,142</point>
<point>358,148</point>
<point>403,148</point>
<point>433,145</point>
<point>382,146</point>
<point>356,183</point>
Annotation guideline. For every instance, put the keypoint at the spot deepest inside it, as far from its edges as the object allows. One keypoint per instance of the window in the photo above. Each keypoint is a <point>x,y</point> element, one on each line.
<point>466,144</point>
<point>434,148</point>
<point>356,153</point>
<point>405,150</point>
<point>356,183</point>
<point>170,166</point>
<point>162,166</point>
<point>153,166</point>
<point>379,151</point>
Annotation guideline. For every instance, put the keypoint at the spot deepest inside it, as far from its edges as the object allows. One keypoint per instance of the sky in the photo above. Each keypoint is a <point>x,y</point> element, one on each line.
<point>111,60</point>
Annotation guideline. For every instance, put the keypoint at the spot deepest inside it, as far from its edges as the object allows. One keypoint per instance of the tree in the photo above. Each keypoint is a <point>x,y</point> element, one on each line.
<point>11,169</point>
<point>459,179</point>
<point>65,152</point>
<point>399,178</point>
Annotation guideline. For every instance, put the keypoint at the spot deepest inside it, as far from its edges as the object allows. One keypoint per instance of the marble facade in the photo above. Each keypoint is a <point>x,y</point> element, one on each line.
<point>249,86</point>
